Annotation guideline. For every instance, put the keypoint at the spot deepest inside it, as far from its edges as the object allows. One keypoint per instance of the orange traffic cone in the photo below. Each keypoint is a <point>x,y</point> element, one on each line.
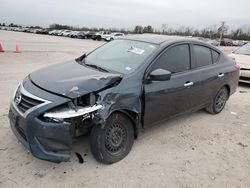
<point>1,47</point>
<point>17,49</point>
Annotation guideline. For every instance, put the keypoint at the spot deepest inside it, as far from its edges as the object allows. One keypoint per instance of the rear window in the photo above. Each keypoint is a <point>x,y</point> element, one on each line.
<point>215,56</point>
<point>202,56</point>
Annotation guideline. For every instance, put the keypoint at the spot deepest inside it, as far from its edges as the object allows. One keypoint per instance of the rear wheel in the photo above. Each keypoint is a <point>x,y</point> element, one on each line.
<point>219,101</point>
<point>111,143</point>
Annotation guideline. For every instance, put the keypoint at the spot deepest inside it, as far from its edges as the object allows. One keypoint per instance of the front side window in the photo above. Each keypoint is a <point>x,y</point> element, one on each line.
<point>175,59</point>
<point>122,56</point>
<point>202,56</point>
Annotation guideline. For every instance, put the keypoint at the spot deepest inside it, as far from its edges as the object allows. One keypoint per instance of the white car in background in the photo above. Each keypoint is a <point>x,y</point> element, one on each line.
<point>238,43</point>
<point>73,34</point>
<point>213,42</point>
<point>100,35</point>
<point>65,33</point>
<point>114,36</point>
<point>53,32</point>
<point>242,57</point>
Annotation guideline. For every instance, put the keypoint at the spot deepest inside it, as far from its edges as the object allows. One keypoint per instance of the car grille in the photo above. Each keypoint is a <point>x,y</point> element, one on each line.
<point>245,78</point>
<point>25,101</point>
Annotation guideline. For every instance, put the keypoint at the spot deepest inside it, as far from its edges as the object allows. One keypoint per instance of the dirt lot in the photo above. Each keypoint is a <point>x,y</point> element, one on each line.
<point>194,150</point>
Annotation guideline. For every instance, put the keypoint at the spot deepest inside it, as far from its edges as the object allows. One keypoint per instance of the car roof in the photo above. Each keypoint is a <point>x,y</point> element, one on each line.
<point>158,39</point>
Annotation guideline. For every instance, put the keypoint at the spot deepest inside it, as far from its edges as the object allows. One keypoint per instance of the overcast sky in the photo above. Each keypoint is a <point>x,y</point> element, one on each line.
<point>126,14</point>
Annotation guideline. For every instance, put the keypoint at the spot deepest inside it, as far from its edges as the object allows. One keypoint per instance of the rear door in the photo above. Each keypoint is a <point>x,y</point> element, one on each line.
<point>208,75</point>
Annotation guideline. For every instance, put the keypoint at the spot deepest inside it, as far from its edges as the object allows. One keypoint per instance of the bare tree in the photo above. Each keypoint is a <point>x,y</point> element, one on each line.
<point>164,28</point>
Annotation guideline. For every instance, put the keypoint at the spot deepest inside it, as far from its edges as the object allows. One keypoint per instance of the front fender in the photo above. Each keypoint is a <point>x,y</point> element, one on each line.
<point>114,99</point>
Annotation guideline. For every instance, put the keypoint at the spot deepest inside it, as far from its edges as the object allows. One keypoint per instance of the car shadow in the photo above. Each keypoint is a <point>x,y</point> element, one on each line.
<point>81,144</point>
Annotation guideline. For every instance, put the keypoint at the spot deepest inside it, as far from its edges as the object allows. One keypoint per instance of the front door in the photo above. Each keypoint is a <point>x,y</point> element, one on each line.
<point>164,99</point>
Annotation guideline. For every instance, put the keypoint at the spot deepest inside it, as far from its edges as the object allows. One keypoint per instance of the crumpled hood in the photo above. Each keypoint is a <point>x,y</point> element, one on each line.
<point>72,79</point>
<point>242,60</point>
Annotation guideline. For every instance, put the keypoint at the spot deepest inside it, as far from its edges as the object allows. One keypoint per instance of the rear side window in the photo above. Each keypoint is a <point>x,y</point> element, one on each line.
<point>175,59</point>
<point>215,56</point>
<point>202,56</point>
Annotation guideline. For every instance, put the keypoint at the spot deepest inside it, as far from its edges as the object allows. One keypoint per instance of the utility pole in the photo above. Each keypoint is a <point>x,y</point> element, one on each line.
<point>222,29</point>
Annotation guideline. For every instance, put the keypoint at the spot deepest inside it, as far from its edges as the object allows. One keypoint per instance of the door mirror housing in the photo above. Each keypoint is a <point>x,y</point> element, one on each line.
<point>81,58</point>
<point>160,75</point>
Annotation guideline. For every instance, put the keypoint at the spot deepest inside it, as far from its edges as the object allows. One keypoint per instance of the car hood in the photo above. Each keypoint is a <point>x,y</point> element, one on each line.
<point>242,60</point>
<point>72,80</point>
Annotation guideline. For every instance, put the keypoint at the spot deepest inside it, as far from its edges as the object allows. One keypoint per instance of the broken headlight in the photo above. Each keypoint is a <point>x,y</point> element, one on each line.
<point>81,106</point>
<point>89,100</point>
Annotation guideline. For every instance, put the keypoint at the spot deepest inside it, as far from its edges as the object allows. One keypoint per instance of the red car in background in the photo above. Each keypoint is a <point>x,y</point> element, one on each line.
<point>226,42</point>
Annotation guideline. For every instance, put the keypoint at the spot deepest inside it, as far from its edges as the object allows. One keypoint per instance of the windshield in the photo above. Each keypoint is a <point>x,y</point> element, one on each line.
<point>122,56</point>
<point>244,50</point>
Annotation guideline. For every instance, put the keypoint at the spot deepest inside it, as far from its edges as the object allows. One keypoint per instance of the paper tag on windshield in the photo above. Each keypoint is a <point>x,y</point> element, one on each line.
<point>151,46</point>
<point>136,50</point>
<point>128,68</point>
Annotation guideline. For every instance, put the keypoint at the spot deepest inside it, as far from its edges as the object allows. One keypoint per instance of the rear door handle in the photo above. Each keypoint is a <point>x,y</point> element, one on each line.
<point>188,84</point>
<point>221,75</point>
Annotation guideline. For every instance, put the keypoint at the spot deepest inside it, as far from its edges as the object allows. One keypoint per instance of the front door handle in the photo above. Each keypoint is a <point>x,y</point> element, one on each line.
<point>221,75</point>
<point>188,84</point>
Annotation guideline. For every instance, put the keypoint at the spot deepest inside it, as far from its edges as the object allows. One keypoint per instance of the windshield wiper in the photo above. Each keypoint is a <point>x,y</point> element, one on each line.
<point>96,67</point>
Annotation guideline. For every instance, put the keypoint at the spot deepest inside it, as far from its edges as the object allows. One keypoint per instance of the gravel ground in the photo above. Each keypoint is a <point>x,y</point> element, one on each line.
<point>194,150</point>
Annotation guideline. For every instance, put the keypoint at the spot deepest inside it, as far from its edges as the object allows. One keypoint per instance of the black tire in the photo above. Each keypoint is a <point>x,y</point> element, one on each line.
<point>219,101</point>
<point>98,38</point>
<point>112,142</point>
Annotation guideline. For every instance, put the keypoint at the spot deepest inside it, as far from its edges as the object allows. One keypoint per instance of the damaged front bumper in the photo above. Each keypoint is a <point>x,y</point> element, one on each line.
<point>47,140</point>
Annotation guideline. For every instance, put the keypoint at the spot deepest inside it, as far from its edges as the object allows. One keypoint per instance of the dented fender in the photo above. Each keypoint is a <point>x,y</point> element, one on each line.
<point>122,99</point>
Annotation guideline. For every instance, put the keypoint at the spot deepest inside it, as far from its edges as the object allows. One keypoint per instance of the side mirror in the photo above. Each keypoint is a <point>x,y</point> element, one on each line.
<point>80,58</point>
<point>160,75</point>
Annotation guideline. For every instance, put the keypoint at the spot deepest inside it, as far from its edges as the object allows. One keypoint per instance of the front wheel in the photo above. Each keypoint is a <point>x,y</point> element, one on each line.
<point>219,101</point>
<point>113,141</point>
<point>98,38</point>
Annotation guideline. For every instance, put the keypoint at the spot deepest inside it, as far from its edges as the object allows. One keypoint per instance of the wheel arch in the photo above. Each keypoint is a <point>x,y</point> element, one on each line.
<point>134,118</point>
<point>228,89</point>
